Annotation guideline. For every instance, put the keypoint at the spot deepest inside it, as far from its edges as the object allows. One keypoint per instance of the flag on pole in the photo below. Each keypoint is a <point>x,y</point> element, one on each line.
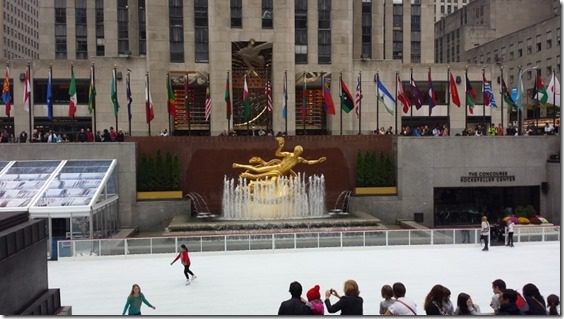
<point>171,98</point>
<point>328,104</point>
<point>114,95</point>
<point>402,96</point>
<point>285,98</point>
<point>6,97</point>
<point>418,100</point>
<point>186,97</point>
<point>431,94</point>
<point>27,91</point>
<point>91,91</point>
<point>208,103</point>
<point>346,98</point>
<point>454,91</point>
<point>227,96</point>
<point>268,93</point>
<point>540,93</point>
<point>358,96</point>
<point>507,95</point>
<point>385,97</point>
<point>50,95</point>
<point>149,113</point>
<point>470,95</point>
<point>128,95</point>
<point>554,91</point>
<point>519,99</point>
<point>489,98</point>
<point>246,100</point>
<point>72,94</point>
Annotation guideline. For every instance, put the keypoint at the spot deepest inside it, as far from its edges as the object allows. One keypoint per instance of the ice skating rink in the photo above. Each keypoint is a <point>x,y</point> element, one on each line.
<point>254,283</point>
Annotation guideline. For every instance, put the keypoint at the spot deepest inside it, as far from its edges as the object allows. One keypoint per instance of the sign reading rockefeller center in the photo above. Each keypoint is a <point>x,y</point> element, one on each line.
<point>487,177</point>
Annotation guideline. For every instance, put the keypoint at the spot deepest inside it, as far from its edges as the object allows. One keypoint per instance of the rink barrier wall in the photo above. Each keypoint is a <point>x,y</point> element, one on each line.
<point>278,241</point>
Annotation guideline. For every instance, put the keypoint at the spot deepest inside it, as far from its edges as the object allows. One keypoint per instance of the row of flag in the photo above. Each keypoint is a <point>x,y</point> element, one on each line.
<point>540,93</point>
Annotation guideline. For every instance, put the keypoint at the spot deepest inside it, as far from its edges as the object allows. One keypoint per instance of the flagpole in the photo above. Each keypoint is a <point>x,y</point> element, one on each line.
<point>266,95</point>
<point>396,124</point>
<point>169,117</point>
<point>501,84</point>
<point>554,97</point>
<point>250,109</point>
<point>8,72</point>
<point>377,102</point>
<point>187,105</point>
<point>94,104</point>
<point>128,104</point>
<point>115,88</point>
<point>30,99</point>
<point>228,88</point>
<point>304,101</point>
<point>411,100</point>
<point>519,113</point>
<point>448,99</point>
<point>341,99</point>
<point>286,103</point>
<point>537,115</point>
<point>466,98</point>
<point>360,104</point>
<point>148,100</point>
<point>484,100</point>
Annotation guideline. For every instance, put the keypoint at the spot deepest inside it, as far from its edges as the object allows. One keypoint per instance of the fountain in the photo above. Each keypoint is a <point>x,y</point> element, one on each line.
<point>272,190</point>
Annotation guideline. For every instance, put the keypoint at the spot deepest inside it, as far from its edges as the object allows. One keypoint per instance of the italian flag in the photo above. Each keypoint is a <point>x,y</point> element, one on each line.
<point>72,94</point>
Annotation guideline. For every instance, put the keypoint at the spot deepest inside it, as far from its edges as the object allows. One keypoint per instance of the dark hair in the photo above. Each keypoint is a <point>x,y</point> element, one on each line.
<point>399,290</point>
<point>436,294</point>
<point>510,295</point>
<point>295,289</point>
<point>553,301</point>
<point>387,292</point>
<point>499,284</point>
<point>462,305</point>
<point>530,290</point>
<point>183,246</point>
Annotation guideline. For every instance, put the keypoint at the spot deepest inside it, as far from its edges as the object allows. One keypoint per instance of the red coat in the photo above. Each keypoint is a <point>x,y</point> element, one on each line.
<point>184,258</point>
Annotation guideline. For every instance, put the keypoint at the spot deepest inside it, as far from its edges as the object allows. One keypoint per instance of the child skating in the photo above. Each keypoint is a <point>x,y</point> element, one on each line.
<point>185,260</point>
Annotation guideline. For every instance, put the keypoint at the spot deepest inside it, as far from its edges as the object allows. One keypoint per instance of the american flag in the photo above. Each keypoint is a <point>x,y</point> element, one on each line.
<point>357,97</point>
<point>208,103</point>
<point>268,93</point>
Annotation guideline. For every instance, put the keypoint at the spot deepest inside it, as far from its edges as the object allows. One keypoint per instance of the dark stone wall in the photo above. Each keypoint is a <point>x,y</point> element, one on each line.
<point>24,268</point>
<point>205,160</point>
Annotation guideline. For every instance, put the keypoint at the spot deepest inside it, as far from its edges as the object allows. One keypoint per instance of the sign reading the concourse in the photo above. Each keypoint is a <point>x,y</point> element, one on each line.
<point>487,177</point>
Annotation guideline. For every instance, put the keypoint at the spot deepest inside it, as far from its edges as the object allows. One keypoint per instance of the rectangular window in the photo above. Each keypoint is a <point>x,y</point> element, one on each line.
<point>300,22</point>
<point>366,29</point>
<point>549,39</point>
<point>324,34</point>
<point>60,29</point>
<point>123,27</point>
<point>520,49</point>
<point>267,14</point>
<point>201,30</point>
<point>176,27</point>
<point>236,13</point>
<point>100,45</point>
<point>529,46</point>
<point>81,35</point>
<point>397,45</point>
<point>142,29</point>
<point>539,43</point>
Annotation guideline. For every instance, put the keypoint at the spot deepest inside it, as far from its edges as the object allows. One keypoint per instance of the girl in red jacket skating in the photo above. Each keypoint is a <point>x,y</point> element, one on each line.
<point>185,260</point>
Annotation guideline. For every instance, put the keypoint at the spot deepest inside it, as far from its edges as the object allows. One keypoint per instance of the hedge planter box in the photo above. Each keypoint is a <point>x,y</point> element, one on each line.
<point>159,195</point>
<point>388,190</point>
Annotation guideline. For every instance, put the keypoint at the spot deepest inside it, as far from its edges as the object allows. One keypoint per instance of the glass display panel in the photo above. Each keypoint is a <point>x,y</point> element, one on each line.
<point>23,180</point>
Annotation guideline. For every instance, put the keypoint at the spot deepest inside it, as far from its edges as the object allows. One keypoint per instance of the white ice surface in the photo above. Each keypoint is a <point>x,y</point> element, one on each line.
<point>254,283</point>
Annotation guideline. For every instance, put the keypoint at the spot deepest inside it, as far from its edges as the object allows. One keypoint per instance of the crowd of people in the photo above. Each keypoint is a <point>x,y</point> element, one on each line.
<point>438,302</point>
<point>50,136</point>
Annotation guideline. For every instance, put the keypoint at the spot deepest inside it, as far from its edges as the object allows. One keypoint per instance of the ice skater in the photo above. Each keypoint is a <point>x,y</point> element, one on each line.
<point>485,232</point>
<point>509,231</point>
<point>134,301</point>
<point>185,260</point>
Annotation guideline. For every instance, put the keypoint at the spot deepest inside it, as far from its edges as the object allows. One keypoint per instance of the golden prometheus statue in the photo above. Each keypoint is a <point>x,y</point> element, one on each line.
<point>260,169</point>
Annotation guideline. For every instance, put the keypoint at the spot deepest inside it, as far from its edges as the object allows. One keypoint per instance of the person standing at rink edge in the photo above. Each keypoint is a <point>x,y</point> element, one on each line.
<point>485,232</point>
<point>185,260</point>
<point>134,301</point>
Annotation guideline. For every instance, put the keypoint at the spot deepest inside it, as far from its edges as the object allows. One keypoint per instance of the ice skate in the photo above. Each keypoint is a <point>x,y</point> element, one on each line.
<point>187,282</point>
<point>194,277</point>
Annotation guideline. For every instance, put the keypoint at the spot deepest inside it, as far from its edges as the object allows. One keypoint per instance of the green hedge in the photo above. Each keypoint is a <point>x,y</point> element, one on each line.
<point>374,171</point>
<point>156,173</point>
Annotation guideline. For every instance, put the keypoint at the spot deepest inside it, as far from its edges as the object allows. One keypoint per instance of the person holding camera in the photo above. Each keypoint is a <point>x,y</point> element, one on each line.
<point>349,304</point>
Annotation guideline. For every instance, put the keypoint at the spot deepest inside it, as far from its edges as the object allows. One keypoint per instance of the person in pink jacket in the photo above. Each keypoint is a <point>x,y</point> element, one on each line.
<point>314,301</point>
<point>185,260</point>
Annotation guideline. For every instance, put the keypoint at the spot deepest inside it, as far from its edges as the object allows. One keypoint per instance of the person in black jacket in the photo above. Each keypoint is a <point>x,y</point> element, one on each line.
<point>294,305</point>
<point>349,304</point>
<point>507,303</point>
<point>532,295</point>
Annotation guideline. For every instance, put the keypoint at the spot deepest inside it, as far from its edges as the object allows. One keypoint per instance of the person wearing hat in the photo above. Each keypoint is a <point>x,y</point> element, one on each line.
<point>314,301</point>
<point>294,305</point>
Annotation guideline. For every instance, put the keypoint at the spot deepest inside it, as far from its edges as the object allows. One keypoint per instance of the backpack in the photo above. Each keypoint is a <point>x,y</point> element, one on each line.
<point>521,303</point>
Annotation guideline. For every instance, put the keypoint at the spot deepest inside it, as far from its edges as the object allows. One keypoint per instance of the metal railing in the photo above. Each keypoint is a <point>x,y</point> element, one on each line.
<point>293,240</point>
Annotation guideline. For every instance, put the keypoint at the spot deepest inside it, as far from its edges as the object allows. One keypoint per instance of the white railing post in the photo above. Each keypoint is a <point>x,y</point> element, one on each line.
<point>273,244</point>
<point>363,239</point>
<point>518,234</point>
<point>249,242</point>
<point>386,238</point>
<point>295,245</point>
<point>151,245</point>
<point>542,239</point>
<point>454,237</point>
<point>409,237</point>
<point>225,243</point>
<point>432,237</point>
<point>175,243</point>
<point>99,247</point>
<point>125,246</point>
<point>74,248</point>
<point>201,244</point>
<point>341,239</point>
<point>317,240</point>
